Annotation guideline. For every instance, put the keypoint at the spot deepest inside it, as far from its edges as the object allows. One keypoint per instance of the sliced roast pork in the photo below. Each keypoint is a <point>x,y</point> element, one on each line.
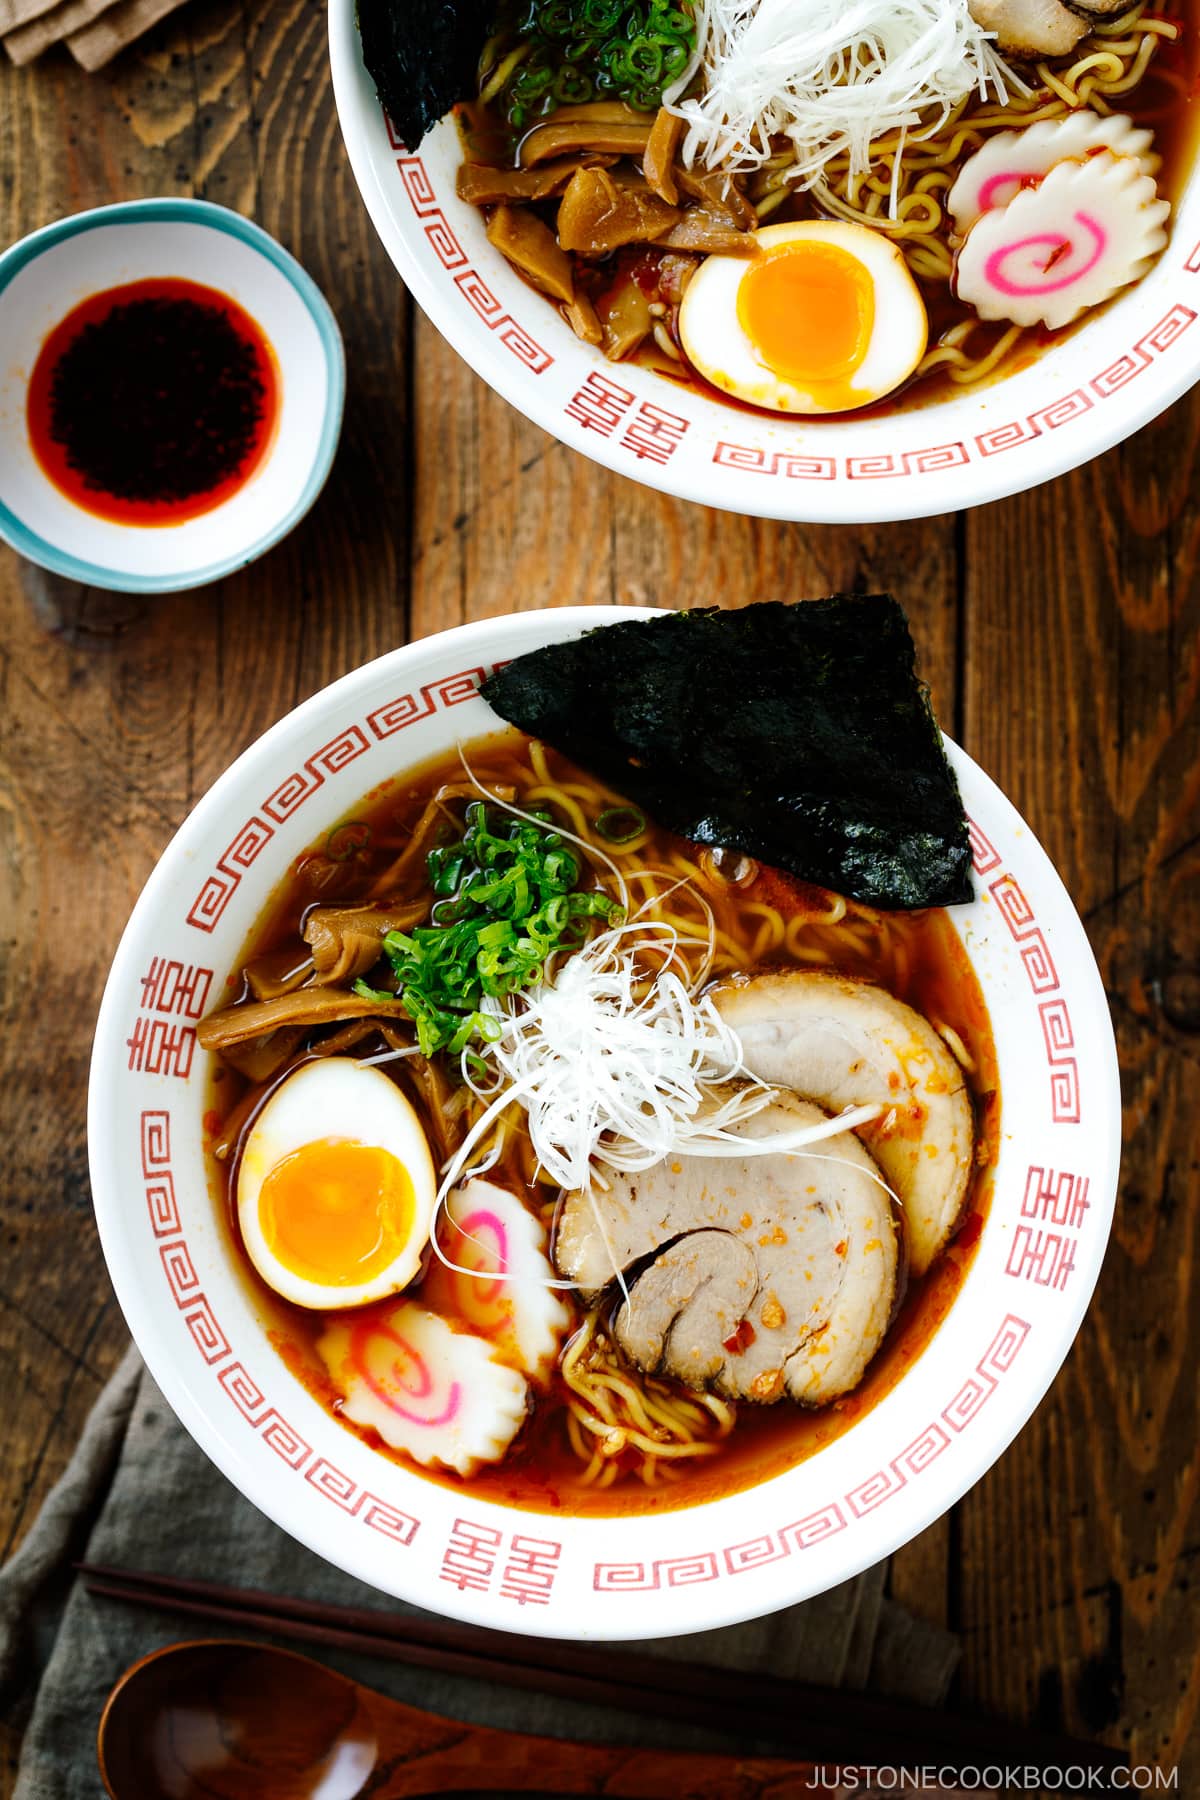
<point>757,1276</point>
<point>847,1043</point>
<point>1030,28</point>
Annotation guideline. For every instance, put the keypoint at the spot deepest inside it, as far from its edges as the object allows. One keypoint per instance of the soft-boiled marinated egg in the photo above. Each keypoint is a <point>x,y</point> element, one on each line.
<point>826,318</point>
<point>336,1187</point>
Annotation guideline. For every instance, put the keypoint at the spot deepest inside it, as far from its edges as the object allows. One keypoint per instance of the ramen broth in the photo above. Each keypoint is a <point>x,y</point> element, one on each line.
<point>916,956</point>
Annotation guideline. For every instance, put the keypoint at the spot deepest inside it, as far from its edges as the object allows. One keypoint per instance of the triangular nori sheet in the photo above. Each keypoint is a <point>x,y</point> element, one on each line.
<point>798,734</point>
<point>422,55</point>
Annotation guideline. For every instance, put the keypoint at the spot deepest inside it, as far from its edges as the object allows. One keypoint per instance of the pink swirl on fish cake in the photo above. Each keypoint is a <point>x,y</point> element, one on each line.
<point>994,267</point>
<point>986,199</point>
<point>478,1288</point>
<point>415,1381</point>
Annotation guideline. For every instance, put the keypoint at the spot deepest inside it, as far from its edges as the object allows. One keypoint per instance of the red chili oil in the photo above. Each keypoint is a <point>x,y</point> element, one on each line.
<point>154,402</point>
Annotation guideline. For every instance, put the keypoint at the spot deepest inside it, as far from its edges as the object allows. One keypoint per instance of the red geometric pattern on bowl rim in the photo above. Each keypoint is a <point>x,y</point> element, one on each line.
<point>935,460</point>
<point>474,290</point>
<point>289,795</point>
<point>240,1387</point>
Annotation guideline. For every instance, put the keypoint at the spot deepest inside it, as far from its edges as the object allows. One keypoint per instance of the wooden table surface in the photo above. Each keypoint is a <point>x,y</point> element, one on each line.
<point>1060,631</point>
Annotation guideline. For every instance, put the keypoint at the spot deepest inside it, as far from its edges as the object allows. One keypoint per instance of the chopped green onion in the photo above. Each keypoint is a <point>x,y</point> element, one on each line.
<point>508,900</point>
<point>572,87</point>
<point>621,824</point>
<point>372,993</point>
<point>499,933</point>
<point>347,839</point>
<point>575,51</point>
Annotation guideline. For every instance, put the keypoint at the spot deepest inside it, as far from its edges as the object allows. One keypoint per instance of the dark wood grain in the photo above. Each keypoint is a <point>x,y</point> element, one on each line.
<point>1060,632</point>
<point>820,1723</point>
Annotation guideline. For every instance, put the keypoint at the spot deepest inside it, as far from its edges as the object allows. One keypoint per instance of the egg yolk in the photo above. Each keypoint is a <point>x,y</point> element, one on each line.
<point>336,1212</point>
<point>809,310</point>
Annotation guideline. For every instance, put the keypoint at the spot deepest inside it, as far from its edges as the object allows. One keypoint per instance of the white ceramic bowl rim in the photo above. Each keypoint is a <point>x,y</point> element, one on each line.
<point>1080,397</point>
<point>911,1457</point>
<point>60,561</point>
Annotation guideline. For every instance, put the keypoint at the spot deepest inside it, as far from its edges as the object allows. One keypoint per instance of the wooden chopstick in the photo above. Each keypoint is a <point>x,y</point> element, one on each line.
<point>828,1723</point>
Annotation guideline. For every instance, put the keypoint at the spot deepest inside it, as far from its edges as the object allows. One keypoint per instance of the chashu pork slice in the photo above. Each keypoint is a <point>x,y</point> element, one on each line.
<point>1030,28</point>
<point>847,1043</point>
<point>756,1276</point>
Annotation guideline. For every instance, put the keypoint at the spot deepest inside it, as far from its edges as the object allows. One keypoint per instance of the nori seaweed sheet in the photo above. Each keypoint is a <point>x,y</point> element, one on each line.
<point>798,734</point>
<point>422,56</point>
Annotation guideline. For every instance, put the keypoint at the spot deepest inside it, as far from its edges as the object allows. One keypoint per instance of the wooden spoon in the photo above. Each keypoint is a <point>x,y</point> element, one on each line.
<point>227,1720</point>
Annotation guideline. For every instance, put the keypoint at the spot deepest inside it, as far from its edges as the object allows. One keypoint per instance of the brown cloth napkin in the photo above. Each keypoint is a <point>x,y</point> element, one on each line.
<point>94,30</point>
<point>19,12</point>
<point>64,17</point>
<point>139,1493</point>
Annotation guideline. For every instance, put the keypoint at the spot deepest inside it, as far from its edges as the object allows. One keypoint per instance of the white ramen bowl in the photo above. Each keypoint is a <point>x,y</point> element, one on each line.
<point>1103,381</point>
<point>203,1335</point>
<point>46,275</point>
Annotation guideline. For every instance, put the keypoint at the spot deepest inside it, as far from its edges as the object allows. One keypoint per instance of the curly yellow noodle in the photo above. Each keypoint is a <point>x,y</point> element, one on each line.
<point>632,1417</point>
<point>566,803</point>
<point>770,932</point>
<point>960,1052</point>
<point>658,890</point>
<point>568,799</point>
<point>958,364</point>
<point>797,941</point>
<point>541,768</point>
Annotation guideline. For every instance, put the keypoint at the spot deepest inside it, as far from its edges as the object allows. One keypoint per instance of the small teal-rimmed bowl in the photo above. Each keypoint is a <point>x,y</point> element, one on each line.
<point>46,275</point>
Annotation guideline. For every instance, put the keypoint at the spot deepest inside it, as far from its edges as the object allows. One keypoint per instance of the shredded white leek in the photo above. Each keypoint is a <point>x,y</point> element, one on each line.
<point>387,1056</point>
<point>831,75</point>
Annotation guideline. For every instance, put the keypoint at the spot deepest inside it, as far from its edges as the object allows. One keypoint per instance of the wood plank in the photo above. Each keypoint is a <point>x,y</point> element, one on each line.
<point>1083,632</point>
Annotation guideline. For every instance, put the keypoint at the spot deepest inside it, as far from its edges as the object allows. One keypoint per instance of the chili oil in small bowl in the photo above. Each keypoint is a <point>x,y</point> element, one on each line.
<point>171,390</point>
